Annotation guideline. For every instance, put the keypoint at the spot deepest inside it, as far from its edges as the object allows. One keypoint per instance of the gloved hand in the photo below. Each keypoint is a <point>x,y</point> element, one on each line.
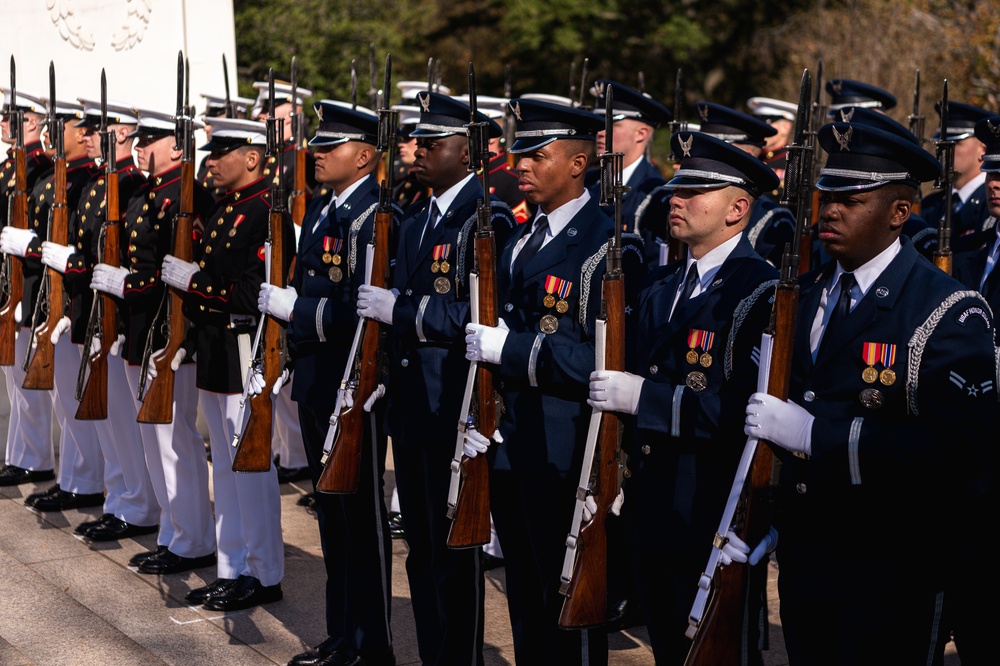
<point>476,443</point>
<point>615,391</point>
<point>55,256</point>
<point>376,303</point>
<point>485,343</point>
<point>348,397</point>
<point>276,301</point>
<point>590,506</point>
<point>177,273</point>
<point>175,362</point>
<point>17,311</point>
<point>256,385</point>
<point>736,550</point>
<point>116,346</point>
<point>61,327</point>
<point>15,241</point>
<point>784,423</point>
<point>109,279</point>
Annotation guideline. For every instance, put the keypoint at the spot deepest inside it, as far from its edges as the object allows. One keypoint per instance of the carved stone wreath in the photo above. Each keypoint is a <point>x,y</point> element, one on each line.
<point>129,33</point>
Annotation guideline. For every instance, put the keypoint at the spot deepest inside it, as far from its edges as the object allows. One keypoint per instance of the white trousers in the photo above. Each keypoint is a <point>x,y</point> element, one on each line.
<point>247,506</point>
<point>287,441</point>
<point>29,431</point>
<point>178,469</point>
<point>81,463</point>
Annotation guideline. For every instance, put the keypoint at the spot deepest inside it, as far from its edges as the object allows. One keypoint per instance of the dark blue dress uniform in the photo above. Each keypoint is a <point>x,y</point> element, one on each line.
<point>329,268</point>
<point>909,368</point>
<point>427,374</point>
<point>543,376</point>
<point>686,438</point>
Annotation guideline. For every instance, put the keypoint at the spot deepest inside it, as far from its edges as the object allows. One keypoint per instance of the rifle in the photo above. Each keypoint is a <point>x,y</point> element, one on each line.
<point>718,618</point>
<point>509,124</point>
<point>815,120</point>
<point>92,387</point>
<point>342,449</point>
<point>946,156</point>
<point>583,82</point>
<point>916,123</point>
<point>253,442</point>
<point>13,276</point>
<point>675,248</point>
<point>469,490</point>
<point>372,83</point>
<point>40,367</point>
<point>299,176</point>
<point>230,109</point>
<point>158,400</point>
<point>585,566</point>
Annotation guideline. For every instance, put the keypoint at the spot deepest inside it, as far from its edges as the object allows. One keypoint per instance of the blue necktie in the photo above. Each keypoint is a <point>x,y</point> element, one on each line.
<point>532,246</point>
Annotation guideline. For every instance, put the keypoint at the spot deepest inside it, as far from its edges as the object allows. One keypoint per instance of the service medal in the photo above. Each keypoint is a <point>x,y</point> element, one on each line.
<point>705,360</point>
<point>331,250</point>
<point>442,285</point>
<point>696,381</point>
<point>562,307</point>
<point>336,259</point>
<point>336,274</point>
<point>556,291</point>
<point>699,339</point>
<point>887,377</point>
<point>445,266</point>
<point>548,324</point>
<point>549,300</point>
<point>883,353</point>
<point>871,398</point>
<point>869,375</point>
<point>327,258</point>
<point>691,356</point>
<point>440,256</point>
<point>435,267</point>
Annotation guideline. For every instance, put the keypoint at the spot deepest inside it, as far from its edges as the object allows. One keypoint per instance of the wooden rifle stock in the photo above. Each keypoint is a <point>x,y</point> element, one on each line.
<point>299,195</point>
<point>94,399</point>
<point>470,525</point>
<point>254,451</point>
<point>342,470</point>
<point>15,276</point>
<point>586,597</point>
<point>158,401</point>
<point>41,369</point>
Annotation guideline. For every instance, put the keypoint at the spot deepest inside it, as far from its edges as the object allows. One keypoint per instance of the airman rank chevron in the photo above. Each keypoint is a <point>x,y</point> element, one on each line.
<point>699,339</point>
<point>440,255</point>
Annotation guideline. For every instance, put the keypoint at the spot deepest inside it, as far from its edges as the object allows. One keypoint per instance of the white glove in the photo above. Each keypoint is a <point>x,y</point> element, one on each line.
<point>175,362</point>
<point>61,327</point>
<point>784,423</point>
<point>256,385</point>
<point>15,241</point>
<point>485,343</point>
<point>177,273</point>
<point>17,312</point>
<point>109,279</point>
<point>376,303</point>
<point>55,256</point>
<point>736,550</point>
<point>590,506</point>
<point>475,443</point>
<point>615,391</point>
<point>116,346</point>
<point>348,397</point>
<point>277,301</point>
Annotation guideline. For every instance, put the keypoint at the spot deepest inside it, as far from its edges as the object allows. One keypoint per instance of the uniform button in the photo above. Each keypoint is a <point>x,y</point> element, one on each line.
<point>508,307</point>
<point>646,449</point>
<point>409,292</point>
<point>800,488</point>
<point>653,369</point>
<point>808,396</point>
<point>405,362</point>
<point>311,272</point>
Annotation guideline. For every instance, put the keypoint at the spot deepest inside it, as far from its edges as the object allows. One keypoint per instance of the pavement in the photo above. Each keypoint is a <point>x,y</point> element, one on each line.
<point>70,602</point>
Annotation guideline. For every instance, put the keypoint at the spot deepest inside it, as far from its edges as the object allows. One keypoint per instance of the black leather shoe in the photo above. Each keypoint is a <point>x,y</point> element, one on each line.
<point>327,652</point>
<point>308,501</point>
<point>87,524</point>
<point>247,592</point>
<point>200,595</point>
<point>34,497</point>
<point>12,475</point>
<point>620,615</point>
<point>139,558</point>
<point>62,500</point>
<point>491,562</point>
<point>116,529</point>
<point>396,525</point>
<point>289,474</point>
<point>170,563</point>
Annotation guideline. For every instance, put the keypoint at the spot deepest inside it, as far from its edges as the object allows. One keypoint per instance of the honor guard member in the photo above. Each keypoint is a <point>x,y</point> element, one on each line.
<point>320,308</point>
<point>221,302</point>
<point>130,506</point>
<point>406,189</point>
<point>970,212</point>
<point>848,92</point>
<point>922,235</point>
<point>175,451</point>
<point>549,282</point>
<point>283,109</point>
<point>29,456</point>
<point>780,115</point>
<point>215,107</point>
<point>890,355</point>
<point>427,374</point>
<point>973,628</point>
<point>686,385</point>
<point>80,479</point>
<point>771,225</point>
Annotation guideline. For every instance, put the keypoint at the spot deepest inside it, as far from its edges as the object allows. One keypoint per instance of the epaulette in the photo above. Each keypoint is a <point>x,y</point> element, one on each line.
<point>739,315</point>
